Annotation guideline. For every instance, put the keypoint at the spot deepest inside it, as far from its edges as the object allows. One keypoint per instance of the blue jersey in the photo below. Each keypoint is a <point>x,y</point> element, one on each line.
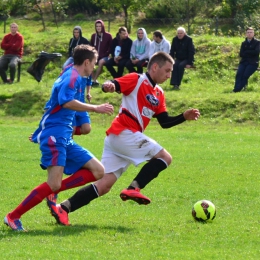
<point>88,81</point>
<point>57,121</point>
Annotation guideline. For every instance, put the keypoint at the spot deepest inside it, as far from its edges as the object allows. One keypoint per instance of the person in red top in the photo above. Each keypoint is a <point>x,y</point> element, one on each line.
<point>12,44</point>
<point>125,143</point>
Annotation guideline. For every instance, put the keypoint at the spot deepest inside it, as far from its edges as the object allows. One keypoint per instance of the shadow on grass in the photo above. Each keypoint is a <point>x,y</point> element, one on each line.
<point>6,232</point>
<point>21,103</point>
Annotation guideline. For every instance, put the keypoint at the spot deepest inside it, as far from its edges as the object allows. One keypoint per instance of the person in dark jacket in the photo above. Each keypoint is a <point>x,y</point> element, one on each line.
<point>182,51</point>
<point>77,39</point>
<point>120,51</point>
<point>102,41</point>
<point>249,53</point>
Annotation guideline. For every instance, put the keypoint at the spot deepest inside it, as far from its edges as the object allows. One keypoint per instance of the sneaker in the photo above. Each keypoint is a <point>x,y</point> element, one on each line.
<point>176,87</point>
<point>61,216</point>
<point>134,195</point>
<point>14,224</point>
<point>9,81</point>
<point>51,203</point>
<point>95,83</point>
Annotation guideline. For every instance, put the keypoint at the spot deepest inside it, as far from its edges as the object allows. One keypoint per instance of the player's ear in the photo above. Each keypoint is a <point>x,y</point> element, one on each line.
<point>155,66</point>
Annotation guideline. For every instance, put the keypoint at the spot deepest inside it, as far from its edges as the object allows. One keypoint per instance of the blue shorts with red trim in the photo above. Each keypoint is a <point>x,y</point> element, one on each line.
<point>57,152</point>
<point>81,118</point>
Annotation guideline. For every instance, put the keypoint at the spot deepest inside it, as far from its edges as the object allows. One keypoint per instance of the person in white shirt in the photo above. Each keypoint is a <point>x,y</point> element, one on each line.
<point>159,43</point>
<point>139,54</point>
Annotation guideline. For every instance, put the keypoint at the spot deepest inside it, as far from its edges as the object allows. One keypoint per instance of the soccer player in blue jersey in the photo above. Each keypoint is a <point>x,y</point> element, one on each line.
<point>60,154</point>
<point>82,123</point>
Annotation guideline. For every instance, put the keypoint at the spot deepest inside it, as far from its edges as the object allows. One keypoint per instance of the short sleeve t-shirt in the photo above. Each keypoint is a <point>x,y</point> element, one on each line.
<point>142,100</point>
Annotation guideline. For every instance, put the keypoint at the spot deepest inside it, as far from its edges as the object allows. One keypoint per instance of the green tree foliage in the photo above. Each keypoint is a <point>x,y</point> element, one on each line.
<point>182,11</point>
<point>82,6</point>
<point>5,8</point>
<point>244,12</point>
<point>129,8</point>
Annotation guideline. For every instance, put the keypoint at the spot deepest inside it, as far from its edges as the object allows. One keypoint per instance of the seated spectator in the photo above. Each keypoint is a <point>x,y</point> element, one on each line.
<point>77,39</point>
<point>249,53</point>
<point>182,50</point>
<point>12,44</point>
<point>139,55</point>
<point>120,51</point>
<point>159,43</point>
<point>102,41</point>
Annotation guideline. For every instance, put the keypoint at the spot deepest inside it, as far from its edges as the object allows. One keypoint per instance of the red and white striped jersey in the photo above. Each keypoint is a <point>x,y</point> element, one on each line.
<point>142,100</point>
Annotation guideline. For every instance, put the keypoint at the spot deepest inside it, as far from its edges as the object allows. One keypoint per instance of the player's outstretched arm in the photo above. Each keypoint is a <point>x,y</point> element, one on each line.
<point>79,106</point>
<point>191,114</point>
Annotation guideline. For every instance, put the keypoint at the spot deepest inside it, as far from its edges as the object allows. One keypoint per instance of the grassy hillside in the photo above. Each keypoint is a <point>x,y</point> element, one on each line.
<point>208,87</point>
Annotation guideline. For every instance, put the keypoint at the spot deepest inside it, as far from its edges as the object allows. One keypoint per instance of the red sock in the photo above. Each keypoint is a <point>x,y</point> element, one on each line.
<point>79,178</point>
<point>77,131</point>
<point>34,198</point>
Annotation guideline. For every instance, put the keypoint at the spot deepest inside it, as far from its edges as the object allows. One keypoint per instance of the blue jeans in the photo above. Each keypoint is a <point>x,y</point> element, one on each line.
<point>178,71</point>
<point>244,71</point>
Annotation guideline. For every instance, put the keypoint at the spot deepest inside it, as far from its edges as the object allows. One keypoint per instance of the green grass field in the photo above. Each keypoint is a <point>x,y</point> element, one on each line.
<point>215,158</point>
<point>211,162</point>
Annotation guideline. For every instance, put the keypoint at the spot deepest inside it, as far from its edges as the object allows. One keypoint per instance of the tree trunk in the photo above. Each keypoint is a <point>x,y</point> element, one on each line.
<point>54,14</point>
<point>126,16</point>
<point>42,18</point>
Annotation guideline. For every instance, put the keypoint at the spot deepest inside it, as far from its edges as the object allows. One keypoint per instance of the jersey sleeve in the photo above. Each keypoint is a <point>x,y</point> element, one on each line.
<point>69,88</point>
<point>127,83</point>
<point>162,104</point>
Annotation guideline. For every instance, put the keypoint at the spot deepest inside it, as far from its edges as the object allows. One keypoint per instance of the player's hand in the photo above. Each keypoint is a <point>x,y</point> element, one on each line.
<point>191,114</point>
<point>105,109</point>
<point>30,138</point>
<point>188,66</point>
<point>108,86</point>
<point>88,96</point>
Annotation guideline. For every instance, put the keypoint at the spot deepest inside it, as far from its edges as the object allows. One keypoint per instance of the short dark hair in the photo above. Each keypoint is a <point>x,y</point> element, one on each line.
<point>122,29</point>
<point>83,52</point>
<point>158,33</point>
<point>160,58</point>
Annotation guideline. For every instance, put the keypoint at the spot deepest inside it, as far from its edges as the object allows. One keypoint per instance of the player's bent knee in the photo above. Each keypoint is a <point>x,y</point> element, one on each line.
<point>85,131</point>
<point>55,186</point>
<point>99,172</point>
<point>164,155</point>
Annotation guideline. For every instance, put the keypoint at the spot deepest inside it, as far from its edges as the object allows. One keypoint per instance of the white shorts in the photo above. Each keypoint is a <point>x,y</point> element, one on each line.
<point>126,148</point>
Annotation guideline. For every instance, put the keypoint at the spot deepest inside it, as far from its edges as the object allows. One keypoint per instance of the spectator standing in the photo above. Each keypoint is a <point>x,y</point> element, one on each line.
<point>12,44</point>
<point>249,53</point>
<point>159,43</point>
<point>139,54</point>
<point>120,51</point>
<point>102,41</point>
<point>76,40</point>
<point>182,50</point>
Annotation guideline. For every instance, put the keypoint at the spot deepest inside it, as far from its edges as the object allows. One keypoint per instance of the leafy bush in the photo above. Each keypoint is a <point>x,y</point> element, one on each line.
<point>79,17</point>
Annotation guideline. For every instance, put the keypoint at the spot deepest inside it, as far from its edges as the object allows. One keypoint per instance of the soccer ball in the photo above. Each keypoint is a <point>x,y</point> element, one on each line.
<point>204,211</point>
